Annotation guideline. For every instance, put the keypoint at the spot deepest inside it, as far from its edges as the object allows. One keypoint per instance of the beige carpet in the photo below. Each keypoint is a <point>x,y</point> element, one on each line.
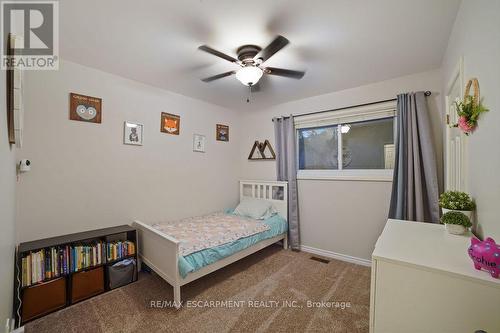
<point>272,274</point>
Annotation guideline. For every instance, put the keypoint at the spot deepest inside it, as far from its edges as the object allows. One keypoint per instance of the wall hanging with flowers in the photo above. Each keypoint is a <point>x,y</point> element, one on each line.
<point>470,108</point>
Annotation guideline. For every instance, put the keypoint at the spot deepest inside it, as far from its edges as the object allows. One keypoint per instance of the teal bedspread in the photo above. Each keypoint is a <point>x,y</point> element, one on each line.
<point>194,261</point>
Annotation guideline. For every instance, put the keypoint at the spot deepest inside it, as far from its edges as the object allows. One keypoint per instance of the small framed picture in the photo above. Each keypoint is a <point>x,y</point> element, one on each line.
<point>132,133</point>
<point>222,132</point>
<point>85,108</point>
<point>170,123</point>
<point>199,143</point>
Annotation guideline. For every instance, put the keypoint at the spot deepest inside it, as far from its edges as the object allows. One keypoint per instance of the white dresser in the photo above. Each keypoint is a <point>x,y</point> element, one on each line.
<point>423,281</point>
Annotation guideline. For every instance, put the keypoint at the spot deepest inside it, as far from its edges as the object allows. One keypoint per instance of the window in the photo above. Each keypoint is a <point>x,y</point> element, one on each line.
<point>363,135</point>
<point>365,144</point>
<point>318,148</point>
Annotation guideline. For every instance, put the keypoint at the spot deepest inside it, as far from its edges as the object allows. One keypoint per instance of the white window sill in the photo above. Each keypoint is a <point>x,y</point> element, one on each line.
<point>375,175</point>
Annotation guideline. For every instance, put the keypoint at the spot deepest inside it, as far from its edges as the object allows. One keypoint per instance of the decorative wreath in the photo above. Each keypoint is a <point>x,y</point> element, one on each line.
<point>469,108</point>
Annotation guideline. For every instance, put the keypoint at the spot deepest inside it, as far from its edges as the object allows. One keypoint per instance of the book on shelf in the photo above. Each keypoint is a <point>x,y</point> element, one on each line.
<point>44,264</point>
<point>86,255</point>
<point>119,249</point>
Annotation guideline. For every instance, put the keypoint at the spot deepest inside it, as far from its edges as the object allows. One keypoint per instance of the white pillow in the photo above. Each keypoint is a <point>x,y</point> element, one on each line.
<point>270,212</point>
<point>255,209</point>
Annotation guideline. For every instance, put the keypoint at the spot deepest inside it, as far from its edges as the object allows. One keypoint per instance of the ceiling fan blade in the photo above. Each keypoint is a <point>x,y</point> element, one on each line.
<point>277,44</point>
<point>218,76</point>
<point>284,72</point>
<point>216,53</point>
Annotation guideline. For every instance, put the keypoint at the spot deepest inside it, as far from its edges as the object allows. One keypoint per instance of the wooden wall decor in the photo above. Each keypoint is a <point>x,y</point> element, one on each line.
<point>261,147</point>
<point>85,108</point>
<point>14,94</point>
<point>10,94</point>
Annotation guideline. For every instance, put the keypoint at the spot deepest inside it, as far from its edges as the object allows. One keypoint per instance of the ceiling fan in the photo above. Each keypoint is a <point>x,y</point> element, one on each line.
<point>251,59</point>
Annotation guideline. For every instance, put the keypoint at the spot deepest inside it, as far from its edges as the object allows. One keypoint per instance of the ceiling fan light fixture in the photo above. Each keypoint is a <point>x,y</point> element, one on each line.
<point>249,75</point>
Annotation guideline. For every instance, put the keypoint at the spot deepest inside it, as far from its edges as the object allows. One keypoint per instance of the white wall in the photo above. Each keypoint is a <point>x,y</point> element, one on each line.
<point>83,176</point>
<point>344,217</point>
<point>476,37</point>
<point>7,210</point>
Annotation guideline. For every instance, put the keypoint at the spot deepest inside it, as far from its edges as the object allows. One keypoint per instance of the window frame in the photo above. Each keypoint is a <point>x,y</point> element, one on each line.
<point>338,118</point>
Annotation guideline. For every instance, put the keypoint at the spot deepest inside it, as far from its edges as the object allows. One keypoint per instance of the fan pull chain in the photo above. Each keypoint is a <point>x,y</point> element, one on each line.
<point>249,93</point>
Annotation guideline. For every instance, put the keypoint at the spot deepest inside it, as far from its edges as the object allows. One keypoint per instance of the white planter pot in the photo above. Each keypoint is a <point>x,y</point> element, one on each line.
<point>467,213</point>
<point>455,229</point>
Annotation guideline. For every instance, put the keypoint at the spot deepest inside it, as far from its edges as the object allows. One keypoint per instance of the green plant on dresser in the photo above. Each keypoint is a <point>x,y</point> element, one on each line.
<point>455,200</point>
<point>456,223</point>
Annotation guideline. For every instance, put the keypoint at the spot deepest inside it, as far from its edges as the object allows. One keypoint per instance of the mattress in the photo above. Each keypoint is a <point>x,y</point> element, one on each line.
<point>201,232</point>
<point>274,226</point>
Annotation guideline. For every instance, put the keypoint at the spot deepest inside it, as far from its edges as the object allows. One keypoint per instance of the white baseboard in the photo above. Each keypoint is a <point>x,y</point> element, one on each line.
<point>338,256</point>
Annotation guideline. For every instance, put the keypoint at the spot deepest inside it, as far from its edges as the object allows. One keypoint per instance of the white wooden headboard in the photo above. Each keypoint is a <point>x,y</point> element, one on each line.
<point>273,191</point>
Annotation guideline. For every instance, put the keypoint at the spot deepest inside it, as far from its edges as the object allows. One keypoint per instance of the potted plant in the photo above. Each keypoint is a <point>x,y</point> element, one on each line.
<point>456,223</point>
<point>457,201</point>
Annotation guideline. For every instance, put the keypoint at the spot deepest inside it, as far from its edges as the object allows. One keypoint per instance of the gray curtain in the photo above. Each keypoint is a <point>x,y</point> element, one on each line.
<point>286,170</point>
<point>415,186</point>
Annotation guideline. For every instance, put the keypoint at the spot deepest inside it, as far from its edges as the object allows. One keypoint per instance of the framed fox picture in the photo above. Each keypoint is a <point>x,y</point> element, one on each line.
<point>170,123</point>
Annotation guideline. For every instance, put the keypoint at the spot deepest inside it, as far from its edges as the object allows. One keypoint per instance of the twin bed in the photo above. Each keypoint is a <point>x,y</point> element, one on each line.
<point>183,251</point>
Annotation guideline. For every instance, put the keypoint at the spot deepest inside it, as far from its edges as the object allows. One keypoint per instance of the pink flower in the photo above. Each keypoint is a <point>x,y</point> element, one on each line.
<point>464,125</point>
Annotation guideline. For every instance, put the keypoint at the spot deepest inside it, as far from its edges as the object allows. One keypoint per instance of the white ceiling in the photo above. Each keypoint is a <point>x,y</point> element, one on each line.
<point>341,43</point>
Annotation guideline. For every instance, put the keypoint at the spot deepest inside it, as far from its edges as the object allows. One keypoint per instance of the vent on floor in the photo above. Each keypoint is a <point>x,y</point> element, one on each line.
<point>324,261</point>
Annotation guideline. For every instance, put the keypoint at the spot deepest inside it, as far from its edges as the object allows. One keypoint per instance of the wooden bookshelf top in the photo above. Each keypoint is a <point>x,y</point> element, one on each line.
<point>71,238</point>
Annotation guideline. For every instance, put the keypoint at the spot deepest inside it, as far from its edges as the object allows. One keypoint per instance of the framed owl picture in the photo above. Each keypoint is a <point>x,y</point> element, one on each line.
<point>85,108</point>
<point>170,123</point>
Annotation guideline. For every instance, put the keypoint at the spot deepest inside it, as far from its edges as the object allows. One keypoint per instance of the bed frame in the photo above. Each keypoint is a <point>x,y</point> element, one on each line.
<point>161,252</point>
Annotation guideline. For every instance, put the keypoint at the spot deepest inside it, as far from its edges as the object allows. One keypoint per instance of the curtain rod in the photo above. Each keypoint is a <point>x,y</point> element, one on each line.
<point>426,93</point>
